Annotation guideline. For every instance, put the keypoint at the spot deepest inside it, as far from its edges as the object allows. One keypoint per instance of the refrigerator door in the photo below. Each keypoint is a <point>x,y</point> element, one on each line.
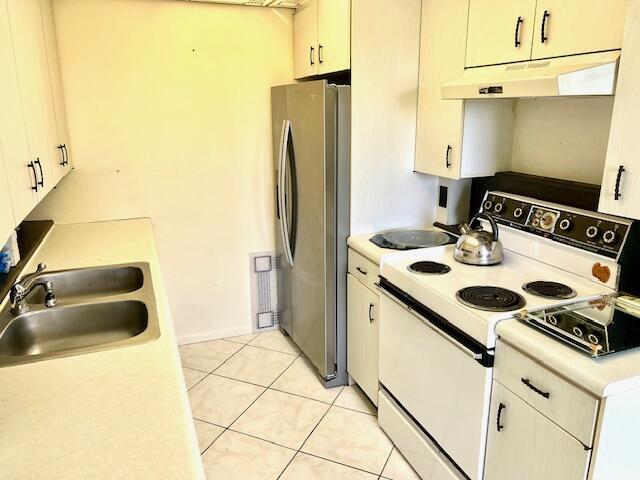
<point>279,117</point>
<point>311,109</point>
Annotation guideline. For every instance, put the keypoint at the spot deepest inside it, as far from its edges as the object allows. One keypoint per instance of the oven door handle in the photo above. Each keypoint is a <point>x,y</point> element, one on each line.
<point>453,341</point>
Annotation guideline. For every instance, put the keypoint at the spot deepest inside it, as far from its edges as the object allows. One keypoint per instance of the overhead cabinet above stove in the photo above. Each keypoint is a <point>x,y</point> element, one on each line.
<point>506,31</point>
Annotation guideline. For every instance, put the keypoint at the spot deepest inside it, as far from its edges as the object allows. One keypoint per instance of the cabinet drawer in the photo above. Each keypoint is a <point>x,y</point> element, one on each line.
<point>567,405</point>
<point>363,269</point>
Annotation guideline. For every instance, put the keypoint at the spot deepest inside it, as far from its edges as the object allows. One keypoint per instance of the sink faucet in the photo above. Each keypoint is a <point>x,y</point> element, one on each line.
<point>25,286</point>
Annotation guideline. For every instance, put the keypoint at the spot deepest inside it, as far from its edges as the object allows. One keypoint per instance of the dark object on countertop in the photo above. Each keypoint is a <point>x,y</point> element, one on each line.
<point>564,192</point>
<point>451,229</point>
<point>30,235</point>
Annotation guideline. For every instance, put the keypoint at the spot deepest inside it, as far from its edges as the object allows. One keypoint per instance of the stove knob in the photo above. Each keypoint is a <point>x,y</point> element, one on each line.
<point>498,208</point>
<point>488,204</point>
<point>518,212</point>
<point>593,339</point>
<point>553,320</point>
<point>592,232</point>
<point>565,225</point>
<point>577,331</point>
<point>609,237</point>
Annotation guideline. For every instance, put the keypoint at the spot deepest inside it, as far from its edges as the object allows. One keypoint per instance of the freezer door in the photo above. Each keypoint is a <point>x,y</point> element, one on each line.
<point>311,110</point>
<point>283,272</point>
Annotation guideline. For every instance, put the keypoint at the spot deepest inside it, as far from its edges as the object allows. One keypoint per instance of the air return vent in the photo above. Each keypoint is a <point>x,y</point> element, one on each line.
<point>264,306</point>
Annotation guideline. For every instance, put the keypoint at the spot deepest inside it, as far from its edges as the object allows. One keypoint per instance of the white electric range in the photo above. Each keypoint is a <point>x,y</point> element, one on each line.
<point>438,319</point>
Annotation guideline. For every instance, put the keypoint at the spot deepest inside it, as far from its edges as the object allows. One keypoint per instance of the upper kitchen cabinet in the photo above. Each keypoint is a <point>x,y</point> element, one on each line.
<point>455,139</point>
<point>499,31</point>
<point>321,31</point>
<point>620,192</point>
<point>7,221</point>
<point>569,27</point>
<point>506,31</point>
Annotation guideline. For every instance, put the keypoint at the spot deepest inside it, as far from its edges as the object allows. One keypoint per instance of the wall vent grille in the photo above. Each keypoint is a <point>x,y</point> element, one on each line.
<point>264,298</point>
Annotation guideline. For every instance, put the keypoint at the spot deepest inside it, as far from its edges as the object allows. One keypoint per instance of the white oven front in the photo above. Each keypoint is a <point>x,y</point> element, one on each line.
<point>440,379</point>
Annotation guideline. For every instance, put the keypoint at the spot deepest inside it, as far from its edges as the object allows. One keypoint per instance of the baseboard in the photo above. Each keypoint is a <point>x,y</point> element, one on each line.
<point>217,335</point>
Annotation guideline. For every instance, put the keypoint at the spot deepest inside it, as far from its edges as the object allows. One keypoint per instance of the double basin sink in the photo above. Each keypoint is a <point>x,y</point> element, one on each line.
<point>97,309</point>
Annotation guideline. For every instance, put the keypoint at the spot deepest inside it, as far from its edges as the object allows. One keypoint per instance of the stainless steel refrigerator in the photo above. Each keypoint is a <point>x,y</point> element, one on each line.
<point>311,133</point>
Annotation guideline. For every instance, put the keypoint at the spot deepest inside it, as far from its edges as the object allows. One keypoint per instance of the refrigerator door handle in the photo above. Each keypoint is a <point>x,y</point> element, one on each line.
<point>284,220</point>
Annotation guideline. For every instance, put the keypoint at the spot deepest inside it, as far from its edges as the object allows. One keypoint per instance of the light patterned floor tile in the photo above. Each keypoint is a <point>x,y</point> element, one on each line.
<point>355,399</point>
<point>191,376</point>
<point>207,356</point>
<point>307,467</point>
<point>351,438</point>
<point>236,456</point>
<point>206,433</point>
<point>221,400</point>
<point>397,468</point>
<point>302,378</point>
<point>275,340</point>
<point>244,339</point>
<point>256,365</point>
<point>281,418</point>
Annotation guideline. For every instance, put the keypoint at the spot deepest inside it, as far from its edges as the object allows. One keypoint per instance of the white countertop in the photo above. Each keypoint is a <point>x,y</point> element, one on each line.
<point>120,413</point>
<point>603,377</point>
<point>368,249</point>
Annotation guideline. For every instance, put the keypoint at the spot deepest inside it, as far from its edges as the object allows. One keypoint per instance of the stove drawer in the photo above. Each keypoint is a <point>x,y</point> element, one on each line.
<point>567,405</point>
<point>415,446</point>
<point>363,269</point>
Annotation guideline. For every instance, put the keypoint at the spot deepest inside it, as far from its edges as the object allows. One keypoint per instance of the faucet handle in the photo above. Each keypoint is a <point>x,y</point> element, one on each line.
<point>41,267</point>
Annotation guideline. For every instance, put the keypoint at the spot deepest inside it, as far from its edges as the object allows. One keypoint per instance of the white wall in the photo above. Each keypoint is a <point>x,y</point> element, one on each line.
<point>169,116</point>
<point>385,191</point>
<point>562,138</point>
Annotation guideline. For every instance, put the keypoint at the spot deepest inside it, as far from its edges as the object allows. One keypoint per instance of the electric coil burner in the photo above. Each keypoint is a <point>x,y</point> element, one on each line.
<point>433,268</point>
<point>549,289</point>
<point>491,299</point>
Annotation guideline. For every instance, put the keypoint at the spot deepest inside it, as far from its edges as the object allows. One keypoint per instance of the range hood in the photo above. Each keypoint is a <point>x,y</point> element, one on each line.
<point>577,75</point>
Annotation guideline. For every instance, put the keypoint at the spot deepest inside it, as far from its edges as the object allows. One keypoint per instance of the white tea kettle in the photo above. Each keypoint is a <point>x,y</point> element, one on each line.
<point>477,246</point>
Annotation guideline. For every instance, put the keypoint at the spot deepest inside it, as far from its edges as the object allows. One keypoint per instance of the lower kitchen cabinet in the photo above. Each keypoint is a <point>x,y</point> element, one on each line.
<point>523,443</point>
<point>362,336</point>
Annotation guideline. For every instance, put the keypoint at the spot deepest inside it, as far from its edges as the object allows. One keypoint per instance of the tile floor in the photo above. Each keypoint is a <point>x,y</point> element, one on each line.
<point>261,413</point>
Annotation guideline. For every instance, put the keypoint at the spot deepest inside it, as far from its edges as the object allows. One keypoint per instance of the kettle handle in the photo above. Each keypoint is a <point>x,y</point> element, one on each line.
<point>488,218</point>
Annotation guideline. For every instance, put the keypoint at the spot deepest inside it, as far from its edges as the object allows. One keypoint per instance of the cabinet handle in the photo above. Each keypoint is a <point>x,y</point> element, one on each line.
<point>41,182</point>
<point>447,163</point>
<point>537,390</point>
<point>617,194</point>
<point>370,315</point>
<point>320,60</point>
<point>66,154</point>
<point>35,176</point>
<point>311,50</point>
<point>64,158</point>
<point>517,40</point>
<point>501,407</point>
<point>543,32</point>
<point>363,272</point>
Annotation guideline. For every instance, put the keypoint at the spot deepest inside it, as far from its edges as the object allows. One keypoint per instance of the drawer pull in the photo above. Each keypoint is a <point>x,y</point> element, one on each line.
<point>370,313</point>
<point>501,407</point>
<point>363,272</point>
<point>537,390</point>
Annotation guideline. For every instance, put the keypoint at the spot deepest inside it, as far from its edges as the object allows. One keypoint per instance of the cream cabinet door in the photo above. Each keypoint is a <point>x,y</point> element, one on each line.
<point>305,40</point>
<point>500,31</point>
<point>523,443</point>
<point>13,136</point>
<point>568,27</point>
<point>7,221</point>
<point>620,192</point>
<point>362,336</point>
<point>334,42</point>
<point>35,91</point>
<point>63,162</point>
<point>442,53</point>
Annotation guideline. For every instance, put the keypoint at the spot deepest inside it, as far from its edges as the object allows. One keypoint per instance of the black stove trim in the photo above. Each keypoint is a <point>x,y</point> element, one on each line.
<point>440,323</point>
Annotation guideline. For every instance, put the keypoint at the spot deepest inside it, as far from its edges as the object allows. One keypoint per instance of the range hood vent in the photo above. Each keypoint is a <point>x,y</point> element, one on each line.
<point>578,75</point>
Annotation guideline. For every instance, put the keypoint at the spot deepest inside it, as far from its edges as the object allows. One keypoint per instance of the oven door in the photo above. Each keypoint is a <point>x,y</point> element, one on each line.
<point>440,380</point>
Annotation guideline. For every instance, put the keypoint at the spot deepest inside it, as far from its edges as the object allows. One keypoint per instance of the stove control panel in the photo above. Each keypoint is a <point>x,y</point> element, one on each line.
<point>591,231</point>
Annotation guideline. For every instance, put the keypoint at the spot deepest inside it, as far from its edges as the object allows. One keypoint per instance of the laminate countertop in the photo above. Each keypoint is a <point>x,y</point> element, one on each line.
<point>121,413</point>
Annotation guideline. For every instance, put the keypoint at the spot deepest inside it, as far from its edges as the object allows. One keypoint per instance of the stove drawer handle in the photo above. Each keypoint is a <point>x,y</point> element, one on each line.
<point>527,382</point>
<point>363,272</point>
<point>501,407</point>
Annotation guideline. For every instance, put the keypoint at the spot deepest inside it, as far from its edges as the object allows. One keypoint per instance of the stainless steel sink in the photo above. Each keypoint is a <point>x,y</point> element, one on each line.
<point>98,309</point>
